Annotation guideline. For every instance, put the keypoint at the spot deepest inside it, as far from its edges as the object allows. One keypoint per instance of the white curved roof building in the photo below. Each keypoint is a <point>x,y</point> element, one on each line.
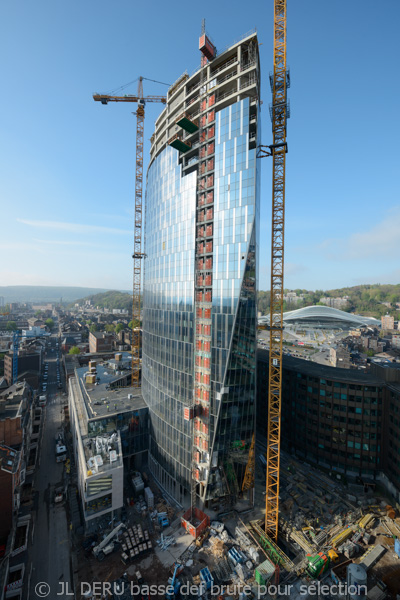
<point>324,316</point>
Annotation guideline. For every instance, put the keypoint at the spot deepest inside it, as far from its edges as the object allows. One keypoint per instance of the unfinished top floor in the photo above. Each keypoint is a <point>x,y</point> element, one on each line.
<point>231,76</point>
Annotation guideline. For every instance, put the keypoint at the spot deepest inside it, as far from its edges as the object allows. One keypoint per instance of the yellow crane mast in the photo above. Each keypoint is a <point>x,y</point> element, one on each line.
<point>279,113</point>
<point>248,480</point>
<point>137,250</point>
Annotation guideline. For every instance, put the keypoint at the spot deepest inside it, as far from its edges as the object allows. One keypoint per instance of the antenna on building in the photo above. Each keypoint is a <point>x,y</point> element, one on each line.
<point>203,26</point>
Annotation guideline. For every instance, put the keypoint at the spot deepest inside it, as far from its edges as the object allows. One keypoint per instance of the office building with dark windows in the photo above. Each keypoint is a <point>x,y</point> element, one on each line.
<point>199,303</point>
<point>344,420</point>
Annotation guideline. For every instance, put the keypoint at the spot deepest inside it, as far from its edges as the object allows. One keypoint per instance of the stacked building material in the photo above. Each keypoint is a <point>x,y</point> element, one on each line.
<point>136,541</point>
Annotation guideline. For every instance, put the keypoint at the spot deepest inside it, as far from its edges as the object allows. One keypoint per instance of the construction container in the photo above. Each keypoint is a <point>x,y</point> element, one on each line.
<point>372,556</point>
<point>206,47</point>
<point>149,497</point>
<point>194,521</point>
<point>188,413</point>
<point>118,356</point>
<point>264,572</point>
<point>92,365</point>
<point>317,564</point>
<point>90,378</point>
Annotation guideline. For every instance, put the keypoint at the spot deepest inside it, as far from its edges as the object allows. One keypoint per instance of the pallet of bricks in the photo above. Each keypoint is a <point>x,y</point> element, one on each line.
<point>136,541</point>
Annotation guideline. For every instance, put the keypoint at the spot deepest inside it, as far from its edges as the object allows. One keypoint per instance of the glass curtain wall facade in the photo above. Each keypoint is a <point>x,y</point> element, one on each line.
<point>167,354</point>
<point>234,301</point>
<point>204,363</point>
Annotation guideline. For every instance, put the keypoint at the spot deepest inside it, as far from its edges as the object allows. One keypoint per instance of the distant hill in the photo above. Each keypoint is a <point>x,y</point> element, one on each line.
<point>367,300</point>
<point>111,299</point>
<point>39,293</point>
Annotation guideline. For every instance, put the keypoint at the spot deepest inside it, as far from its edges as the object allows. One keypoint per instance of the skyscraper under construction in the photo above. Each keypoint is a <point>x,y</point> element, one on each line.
<point>199,304</point>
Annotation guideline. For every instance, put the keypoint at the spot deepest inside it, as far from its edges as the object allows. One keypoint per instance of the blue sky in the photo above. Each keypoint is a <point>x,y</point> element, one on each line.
<point>67,163</point>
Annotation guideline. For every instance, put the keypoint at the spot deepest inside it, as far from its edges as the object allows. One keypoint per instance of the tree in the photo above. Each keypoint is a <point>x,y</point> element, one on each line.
<point>370,353</point>
<point>38,314</point>
<point>93,328</point>
<point>49,323</point>
<point>110,328</point>
<point>119,327</point>
<point>74,350</point>
<point>134,324</point>
<point>11,326</point>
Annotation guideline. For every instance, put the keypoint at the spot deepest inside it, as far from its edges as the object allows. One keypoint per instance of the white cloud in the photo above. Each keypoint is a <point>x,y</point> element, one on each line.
<point>74,227</point>
<point>65,242</point>
<point>382,240</point>
<point>20,246</point>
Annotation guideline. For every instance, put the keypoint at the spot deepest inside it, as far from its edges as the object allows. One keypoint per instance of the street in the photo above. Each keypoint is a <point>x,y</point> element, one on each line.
<point>50,550</point>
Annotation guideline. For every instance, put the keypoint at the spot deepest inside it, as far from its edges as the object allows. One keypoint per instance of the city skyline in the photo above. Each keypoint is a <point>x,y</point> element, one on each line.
<point>68,164</point>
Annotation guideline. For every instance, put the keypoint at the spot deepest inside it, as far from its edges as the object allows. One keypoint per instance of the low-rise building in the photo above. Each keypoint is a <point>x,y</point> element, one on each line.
<point>12,477</point>
<point>339,303</point>
<point>387,322</point>
<point>15,437</point>
<point>98,460</point>
<point>396,342</point>
<point>100,341</point>
<point>33,332</point>
<point>99,408</point>
<point>27,361</point>
<point>340,357</point>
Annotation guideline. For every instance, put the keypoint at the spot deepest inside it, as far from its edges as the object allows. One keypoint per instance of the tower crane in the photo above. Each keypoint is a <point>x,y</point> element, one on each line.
<point>279,111</point>
<point>137,255</point>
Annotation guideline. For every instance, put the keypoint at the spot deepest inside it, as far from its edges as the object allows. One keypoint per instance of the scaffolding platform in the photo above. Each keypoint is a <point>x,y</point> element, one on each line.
<point>177,143</point>
<point>187,123</point>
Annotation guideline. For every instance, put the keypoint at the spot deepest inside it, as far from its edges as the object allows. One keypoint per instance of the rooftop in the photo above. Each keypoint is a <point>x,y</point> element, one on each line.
<point>13,400</point>
<point>325,315</point>
<point>101,334</point>
<point>316,370</point>
<point>101,399</point>
<point>103,452</point>
<point>8,459</point>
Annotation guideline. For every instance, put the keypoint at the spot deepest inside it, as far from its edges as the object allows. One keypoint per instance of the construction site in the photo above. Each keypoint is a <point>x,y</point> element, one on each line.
<point>218,511</point>
<point>331,536</point>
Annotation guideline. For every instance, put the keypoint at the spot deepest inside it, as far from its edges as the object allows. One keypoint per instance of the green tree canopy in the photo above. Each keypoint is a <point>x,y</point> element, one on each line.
<point>93,328</point>
<point>49,323</point>
<point>134,324</point>
<point>119,327</point>
<point>74,350</point>
<point>11,326</point>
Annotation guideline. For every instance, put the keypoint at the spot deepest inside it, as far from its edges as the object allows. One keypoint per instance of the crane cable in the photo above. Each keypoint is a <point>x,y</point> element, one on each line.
<point>122,87</point>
